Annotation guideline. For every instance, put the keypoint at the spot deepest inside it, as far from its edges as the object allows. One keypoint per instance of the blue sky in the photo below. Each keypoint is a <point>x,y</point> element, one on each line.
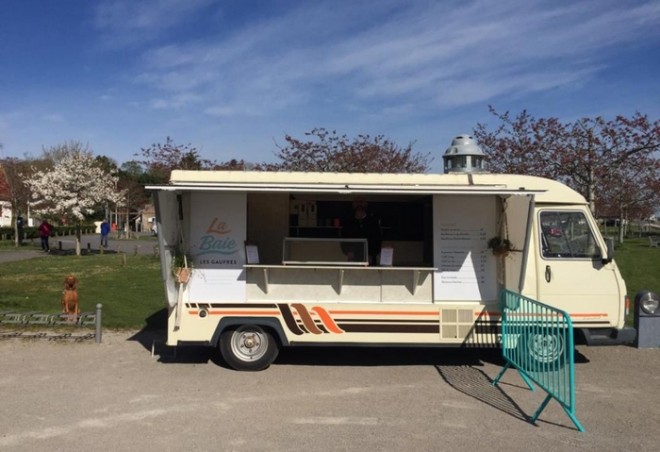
<point>232,77</point>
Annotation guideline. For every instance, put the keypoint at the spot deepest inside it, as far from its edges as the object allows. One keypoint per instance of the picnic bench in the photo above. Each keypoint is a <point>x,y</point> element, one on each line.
<point>654,241</point>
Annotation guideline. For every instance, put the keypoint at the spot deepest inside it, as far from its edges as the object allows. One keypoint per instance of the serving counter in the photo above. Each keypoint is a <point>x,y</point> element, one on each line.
<point>339,283</point>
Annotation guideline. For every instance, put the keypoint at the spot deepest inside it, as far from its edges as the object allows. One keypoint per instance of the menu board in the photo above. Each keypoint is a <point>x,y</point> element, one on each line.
<point>466,268</point>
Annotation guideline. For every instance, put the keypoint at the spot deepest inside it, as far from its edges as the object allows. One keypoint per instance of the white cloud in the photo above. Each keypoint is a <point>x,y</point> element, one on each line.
<point>130,22</point>
<point>178,101</point>
<point>53,117</point>
<point>437,55</point>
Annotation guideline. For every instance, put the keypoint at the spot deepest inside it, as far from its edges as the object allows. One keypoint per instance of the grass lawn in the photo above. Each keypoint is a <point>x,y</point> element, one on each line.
<point>128,286</point>
<point>640,267</point>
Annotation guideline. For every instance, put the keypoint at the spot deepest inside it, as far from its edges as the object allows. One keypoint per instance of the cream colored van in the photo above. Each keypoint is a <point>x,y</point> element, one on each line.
<point>278,259</point>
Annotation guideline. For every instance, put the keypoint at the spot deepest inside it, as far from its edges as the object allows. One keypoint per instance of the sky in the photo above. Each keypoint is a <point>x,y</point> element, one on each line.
<point>231,78</point>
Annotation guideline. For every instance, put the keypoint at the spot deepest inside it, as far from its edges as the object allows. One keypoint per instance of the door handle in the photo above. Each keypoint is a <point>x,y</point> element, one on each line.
<point>548,273</point>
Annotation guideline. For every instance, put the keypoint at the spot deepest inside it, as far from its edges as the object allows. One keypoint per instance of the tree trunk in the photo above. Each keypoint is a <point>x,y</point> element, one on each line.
<point>17,238</point>
<point>622,223</point>
<point>15,213</point>
<point>591,189</point>
<point>78,239</point>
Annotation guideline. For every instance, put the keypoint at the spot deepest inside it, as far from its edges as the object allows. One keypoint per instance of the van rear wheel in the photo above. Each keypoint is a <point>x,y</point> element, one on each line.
<point>248,347</point>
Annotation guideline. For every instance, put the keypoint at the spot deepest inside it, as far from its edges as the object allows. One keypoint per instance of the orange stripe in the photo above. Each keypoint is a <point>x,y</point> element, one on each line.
<point>327,320</point>
<point>434,313</point>
<point>489,314</point>
<point>553,314</point>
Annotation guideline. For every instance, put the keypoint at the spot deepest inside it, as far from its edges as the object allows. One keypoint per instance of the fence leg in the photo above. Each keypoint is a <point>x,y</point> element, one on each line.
<point>99,311</point>
<point>527,381</point>
<point>573,418</point>
<point>497,379</point>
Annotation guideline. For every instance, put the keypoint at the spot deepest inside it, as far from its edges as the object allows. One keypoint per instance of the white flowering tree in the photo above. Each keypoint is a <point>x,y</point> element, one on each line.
<point>74,188</point>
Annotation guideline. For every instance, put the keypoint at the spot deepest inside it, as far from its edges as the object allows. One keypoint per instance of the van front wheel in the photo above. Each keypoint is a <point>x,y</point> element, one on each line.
<point>542,351</point>
<point>248,347</point>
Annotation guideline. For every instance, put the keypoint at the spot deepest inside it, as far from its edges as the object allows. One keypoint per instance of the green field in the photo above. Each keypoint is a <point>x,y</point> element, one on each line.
<point>128,286</point>
<point>640,267</point>
<point>131,291</point>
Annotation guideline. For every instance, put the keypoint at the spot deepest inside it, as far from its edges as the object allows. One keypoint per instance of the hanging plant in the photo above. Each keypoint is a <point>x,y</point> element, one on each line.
<point>500,246</point>
<point>181,267</point>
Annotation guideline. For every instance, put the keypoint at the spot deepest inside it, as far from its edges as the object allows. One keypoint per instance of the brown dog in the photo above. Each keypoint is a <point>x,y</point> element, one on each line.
<point>70,305</point>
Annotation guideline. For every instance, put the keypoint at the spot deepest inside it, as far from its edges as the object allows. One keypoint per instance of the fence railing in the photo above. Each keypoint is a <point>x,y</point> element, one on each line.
<point>31,320</point>
<point>537,340</point>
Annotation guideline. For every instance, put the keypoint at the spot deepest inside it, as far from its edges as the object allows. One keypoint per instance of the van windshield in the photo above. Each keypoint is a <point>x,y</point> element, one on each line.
<point>567,235</point>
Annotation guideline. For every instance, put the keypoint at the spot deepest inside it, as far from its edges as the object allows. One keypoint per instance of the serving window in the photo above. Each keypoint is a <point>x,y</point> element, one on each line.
<point>404,225</point>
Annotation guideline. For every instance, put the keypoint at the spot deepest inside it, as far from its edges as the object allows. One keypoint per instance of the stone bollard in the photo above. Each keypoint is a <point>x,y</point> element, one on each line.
<point>99,313</point>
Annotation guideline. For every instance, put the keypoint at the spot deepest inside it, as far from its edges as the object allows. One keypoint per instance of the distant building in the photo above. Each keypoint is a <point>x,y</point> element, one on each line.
<point>5,197</point>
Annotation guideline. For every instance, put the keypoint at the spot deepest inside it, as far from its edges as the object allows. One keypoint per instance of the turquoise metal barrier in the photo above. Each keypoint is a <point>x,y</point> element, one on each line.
<point>537,340</point>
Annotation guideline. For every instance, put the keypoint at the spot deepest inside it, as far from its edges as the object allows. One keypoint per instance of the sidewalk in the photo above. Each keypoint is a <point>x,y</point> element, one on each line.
<point>66,245</point>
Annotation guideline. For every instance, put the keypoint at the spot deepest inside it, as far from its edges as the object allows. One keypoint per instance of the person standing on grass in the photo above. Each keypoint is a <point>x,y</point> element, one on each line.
<point>45,230</point>
<point>105,230</point>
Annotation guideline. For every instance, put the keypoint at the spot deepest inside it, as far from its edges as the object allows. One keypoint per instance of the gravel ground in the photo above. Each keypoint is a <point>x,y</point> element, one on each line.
<point>61,396</point>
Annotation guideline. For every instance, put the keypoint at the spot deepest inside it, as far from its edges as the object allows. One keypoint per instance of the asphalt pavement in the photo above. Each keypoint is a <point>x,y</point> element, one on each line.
<point>62,396</point>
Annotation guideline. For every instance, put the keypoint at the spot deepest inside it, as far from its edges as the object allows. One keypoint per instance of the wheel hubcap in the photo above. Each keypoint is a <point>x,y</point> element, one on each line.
<point>249,345</point>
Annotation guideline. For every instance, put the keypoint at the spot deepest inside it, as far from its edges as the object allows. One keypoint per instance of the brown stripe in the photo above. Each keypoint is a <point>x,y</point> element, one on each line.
<point>289,320</point>
<point>426,322</point>
<point>306,318</point>
<point>363,328</point>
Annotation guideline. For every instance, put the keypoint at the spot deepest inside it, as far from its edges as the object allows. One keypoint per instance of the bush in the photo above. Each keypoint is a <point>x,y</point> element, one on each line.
<point>7,232</point>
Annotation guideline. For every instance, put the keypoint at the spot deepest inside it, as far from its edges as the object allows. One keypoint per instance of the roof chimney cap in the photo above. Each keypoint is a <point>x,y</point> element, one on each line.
<point>464,156</point>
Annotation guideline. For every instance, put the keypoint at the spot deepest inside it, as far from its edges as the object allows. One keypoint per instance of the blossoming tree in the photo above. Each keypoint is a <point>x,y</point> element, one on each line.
<point>72,189</point>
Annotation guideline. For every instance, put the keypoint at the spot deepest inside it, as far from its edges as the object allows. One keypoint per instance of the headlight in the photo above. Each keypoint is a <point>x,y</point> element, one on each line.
<point>650,306</point>
<point>649,302</point>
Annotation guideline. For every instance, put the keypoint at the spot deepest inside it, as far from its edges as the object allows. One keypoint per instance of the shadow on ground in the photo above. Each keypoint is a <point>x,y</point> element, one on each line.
<point>462,368</point>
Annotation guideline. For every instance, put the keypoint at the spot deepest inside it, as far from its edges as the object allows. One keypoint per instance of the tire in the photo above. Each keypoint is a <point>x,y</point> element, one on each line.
<point>248,347</point>
<point>542,352</point>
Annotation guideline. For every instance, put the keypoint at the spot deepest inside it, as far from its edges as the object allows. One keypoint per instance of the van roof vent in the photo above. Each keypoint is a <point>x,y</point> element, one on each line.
<point>464,156</point>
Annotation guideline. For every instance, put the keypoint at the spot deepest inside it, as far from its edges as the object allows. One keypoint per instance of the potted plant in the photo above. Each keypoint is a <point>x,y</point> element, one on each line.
<point>500,246</point>
<point>181,267</point>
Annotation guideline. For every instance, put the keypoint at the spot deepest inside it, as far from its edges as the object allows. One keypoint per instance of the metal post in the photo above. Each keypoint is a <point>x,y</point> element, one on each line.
<point>99,309</point>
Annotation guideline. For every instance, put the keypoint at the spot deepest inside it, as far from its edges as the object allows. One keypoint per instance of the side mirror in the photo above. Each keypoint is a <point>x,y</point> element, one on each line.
<point>609,241</point>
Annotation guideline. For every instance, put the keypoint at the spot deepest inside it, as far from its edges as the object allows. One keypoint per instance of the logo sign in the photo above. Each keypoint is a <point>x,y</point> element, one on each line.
<point>218,246</point>
<point>217,230</point>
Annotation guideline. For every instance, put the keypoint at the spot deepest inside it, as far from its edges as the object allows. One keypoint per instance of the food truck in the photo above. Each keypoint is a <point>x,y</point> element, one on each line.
<point>272,259</point>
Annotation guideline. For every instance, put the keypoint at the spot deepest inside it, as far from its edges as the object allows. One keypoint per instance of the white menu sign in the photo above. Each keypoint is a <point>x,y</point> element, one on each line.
<point>466,268</point>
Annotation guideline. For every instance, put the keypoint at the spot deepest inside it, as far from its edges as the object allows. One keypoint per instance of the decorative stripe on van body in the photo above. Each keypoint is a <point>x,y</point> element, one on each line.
<point>317,320</point>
